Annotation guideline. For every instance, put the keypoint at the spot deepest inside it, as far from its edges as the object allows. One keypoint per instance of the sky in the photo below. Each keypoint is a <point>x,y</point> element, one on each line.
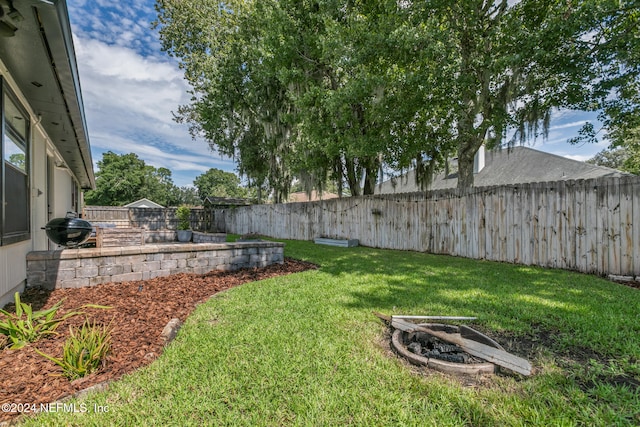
<point>131,88</point>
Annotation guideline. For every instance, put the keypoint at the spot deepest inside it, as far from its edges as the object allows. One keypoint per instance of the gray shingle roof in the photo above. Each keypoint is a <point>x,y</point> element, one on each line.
<point>515,165</point>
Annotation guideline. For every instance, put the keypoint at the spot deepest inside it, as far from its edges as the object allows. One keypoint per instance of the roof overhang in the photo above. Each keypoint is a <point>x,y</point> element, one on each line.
<point>41,60</point>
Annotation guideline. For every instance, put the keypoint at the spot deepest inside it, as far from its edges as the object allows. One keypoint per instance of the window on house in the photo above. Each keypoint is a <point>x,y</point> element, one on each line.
<point>14,171</point>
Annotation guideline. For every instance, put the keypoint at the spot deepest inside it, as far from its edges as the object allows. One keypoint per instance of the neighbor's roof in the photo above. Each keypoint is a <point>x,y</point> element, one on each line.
<point>302,196</point>
<point>41,59</point>
<point>143,203</point>
<point>517,165</point>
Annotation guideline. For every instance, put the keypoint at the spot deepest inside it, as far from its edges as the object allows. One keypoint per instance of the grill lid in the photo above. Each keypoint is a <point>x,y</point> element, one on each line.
<point>68,231</point>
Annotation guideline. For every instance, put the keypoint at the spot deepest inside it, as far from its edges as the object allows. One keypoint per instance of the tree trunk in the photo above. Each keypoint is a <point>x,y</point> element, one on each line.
<point>371,174</point>
<point>466,130</point>
<point>337,173</point>
<point>369,182</point>
<point>467,149</point>
<point>352,177</point>
<point>465,170</point>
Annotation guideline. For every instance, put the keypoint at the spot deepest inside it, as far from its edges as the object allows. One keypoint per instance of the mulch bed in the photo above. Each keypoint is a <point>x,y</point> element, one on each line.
<point>139,312</point>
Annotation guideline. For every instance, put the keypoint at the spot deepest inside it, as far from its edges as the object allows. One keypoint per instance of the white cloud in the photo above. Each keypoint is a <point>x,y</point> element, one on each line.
<point>156,156</point>
<point>570,125</point>
<point>126,24</point>
<point>129,101</point>
<point>130,88</point>
<point>578,157</point>
<point>564,126</point>
<point>106,60</point>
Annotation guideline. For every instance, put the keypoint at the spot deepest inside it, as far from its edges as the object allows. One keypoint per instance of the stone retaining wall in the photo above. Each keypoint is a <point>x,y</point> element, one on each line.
<point>160,236</point>
<point>73,268</point>
<point>199,237</point>
<point>108,237</point>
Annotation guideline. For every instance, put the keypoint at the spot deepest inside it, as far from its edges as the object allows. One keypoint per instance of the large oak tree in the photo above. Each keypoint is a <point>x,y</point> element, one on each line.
<point>339,89</point>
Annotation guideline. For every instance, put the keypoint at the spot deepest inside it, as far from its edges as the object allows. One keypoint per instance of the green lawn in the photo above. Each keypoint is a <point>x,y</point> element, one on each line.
<point>305,349</point>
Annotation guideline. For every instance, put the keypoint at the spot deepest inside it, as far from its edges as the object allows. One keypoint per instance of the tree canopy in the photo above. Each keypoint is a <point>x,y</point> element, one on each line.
<point>218,183</point>
<point>334,90</point>
<point>625,158</point>
<point>125,178</point>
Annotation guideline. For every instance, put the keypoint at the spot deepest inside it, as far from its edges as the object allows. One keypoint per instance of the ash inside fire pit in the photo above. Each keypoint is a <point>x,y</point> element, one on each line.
<point>427,346</point>
<point>423,349</point>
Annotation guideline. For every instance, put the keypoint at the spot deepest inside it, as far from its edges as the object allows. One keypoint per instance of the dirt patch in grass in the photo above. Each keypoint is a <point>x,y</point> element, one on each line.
<point>575,359</point>
<point>630,283</point>
<point>139,312</point>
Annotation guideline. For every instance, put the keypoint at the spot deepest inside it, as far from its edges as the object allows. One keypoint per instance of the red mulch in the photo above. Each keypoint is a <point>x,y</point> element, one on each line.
<point>140,310</point>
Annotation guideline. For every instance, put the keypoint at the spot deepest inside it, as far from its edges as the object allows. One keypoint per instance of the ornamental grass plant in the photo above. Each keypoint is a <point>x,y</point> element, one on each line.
<point>84,351</point>
<point>26,326</point>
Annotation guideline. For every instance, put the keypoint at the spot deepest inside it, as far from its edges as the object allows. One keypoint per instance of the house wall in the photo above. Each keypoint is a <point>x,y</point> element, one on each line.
<point>13,265</point>
<point>63,190</point>
<point>13,270</point>
<point>38,188</point>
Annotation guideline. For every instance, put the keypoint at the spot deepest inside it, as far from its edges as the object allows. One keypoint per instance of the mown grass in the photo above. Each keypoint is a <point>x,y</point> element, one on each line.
<point>305,349</point>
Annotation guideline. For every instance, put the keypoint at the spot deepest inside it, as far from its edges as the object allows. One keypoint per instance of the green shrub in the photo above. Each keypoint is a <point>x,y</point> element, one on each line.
<point>21,330</point>
<point>183,213</point>
<point>84,351</point>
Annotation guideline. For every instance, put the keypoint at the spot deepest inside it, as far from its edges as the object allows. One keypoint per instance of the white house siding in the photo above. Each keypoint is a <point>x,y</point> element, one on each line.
<point>38,188</point>
<point>13,266</point>
<point>13,269</point>
<point>63,189</point>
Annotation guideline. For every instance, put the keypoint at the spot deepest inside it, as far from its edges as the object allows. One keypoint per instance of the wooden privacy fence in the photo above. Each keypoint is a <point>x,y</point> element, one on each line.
<point>592,226</point>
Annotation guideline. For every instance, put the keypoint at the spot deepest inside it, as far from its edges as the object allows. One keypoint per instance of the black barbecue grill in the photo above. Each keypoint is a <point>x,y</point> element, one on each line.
<point>69,231</point>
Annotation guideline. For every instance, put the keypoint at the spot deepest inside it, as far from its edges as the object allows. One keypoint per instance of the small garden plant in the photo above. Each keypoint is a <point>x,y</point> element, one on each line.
<point>183,213</point>
<point>26,326</point>
<point>84,351</point>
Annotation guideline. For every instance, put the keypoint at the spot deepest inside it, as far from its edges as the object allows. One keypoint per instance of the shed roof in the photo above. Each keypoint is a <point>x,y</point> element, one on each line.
<point>143,203</point>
